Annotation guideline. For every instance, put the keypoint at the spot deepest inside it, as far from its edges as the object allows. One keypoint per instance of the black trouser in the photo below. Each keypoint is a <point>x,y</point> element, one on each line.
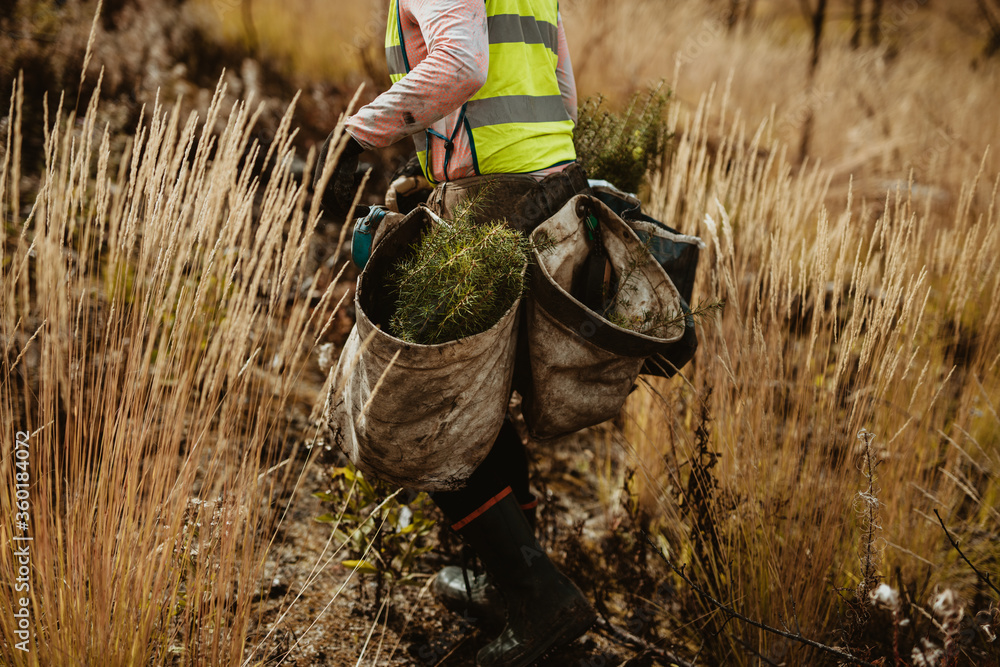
<point>506,466</point>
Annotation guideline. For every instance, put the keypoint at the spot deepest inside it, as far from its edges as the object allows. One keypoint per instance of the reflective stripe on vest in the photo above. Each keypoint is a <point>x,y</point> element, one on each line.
<point>517,122</point>
<point>395,53</point>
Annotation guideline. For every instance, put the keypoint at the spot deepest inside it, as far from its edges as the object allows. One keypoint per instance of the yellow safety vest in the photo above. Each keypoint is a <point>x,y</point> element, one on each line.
<point>517,122</point>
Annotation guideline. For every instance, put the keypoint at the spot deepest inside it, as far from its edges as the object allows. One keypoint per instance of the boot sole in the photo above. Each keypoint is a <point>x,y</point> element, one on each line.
<point>565,636</point>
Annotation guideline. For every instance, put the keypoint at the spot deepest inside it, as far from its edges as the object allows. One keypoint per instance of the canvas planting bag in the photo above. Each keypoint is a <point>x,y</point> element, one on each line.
<point>580,367</point>
<point>678,255</point>
<point>420,416</point>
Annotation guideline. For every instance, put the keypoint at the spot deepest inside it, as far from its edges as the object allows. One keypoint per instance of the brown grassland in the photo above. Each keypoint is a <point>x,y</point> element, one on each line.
<point>171,295</point>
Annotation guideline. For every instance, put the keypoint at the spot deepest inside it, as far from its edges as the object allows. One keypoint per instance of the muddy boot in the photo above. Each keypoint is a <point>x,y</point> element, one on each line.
<point>473,596</point>
<point>545,609</point>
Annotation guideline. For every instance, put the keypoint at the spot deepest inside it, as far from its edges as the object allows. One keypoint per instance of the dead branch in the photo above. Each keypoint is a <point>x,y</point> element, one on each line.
<point>625,637</point>
<point>984,577</point>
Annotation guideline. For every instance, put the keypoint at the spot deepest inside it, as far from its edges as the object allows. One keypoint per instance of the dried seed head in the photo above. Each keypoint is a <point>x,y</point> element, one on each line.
<point>947,607</point>
<point>927,654</point>
<point>885,596</point>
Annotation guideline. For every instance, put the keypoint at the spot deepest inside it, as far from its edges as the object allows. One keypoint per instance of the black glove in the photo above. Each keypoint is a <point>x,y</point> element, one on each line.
<point>340,190</point>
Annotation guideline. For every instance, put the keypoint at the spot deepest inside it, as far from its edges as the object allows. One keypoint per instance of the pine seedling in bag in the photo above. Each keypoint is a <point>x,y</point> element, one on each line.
<point>459,280</point>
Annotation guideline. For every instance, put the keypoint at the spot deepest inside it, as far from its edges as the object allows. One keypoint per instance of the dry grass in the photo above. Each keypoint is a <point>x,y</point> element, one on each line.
<point>886,320</point>
<point>154,333</point>
<point>916,101</point>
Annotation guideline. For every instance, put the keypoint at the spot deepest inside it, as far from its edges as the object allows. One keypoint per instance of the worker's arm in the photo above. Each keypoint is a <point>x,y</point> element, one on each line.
<point>454,69</point>
<point>564,73</point>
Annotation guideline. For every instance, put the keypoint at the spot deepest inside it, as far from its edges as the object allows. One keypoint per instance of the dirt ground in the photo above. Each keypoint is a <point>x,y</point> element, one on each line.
<point>323,627</point>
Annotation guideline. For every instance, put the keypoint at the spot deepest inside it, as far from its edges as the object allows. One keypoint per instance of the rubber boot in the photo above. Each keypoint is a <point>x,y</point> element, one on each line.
<point>473,596</point>
<point>545,610</point>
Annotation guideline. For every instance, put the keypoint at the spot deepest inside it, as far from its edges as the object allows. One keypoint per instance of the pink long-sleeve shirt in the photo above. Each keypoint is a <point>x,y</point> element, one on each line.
<point>447,46</point>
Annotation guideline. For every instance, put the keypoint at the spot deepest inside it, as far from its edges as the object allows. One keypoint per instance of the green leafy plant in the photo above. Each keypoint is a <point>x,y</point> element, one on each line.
<point>619,148</point>
<point>385,536</point>
<point>459,280</point>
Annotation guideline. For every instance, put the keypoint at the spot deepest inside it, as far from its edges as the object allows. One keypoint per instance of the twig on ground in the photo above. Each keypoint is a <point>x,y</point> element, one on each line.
<point>984,577</point>
<point>757,624</point>
<point>625,637</point>
<point>450,653</point>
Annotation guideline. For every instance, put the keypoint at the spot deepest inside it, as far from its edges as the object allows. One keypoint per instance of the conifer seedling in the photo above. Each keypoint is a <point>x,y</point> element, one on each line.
<point>459,280</point>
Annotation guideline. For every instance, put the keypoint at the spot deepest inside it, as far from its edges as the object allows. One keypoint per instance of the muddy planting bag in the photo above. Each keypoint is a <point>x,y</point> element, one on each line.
<point>580,366</point>
<point>436,409</point>
<point>678,255</point>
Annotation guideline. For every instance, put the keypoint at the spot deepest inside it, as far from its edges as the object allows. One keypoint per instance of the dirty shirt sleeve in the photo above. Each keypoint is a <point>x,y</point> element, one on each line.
<point>448,39</point>
<point>564,73</point>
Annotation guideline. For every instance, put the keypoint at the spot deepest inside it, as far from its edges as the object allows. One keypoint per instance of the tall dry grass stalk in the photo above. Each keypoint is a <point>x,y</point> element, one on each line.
<point>153,335</point>
<point>887,319</point>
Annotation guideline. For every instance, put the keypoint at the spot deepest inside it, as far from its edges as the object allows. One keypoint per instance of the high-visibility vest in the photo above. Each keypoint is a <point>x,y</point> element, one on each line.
<point>517,122</point>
